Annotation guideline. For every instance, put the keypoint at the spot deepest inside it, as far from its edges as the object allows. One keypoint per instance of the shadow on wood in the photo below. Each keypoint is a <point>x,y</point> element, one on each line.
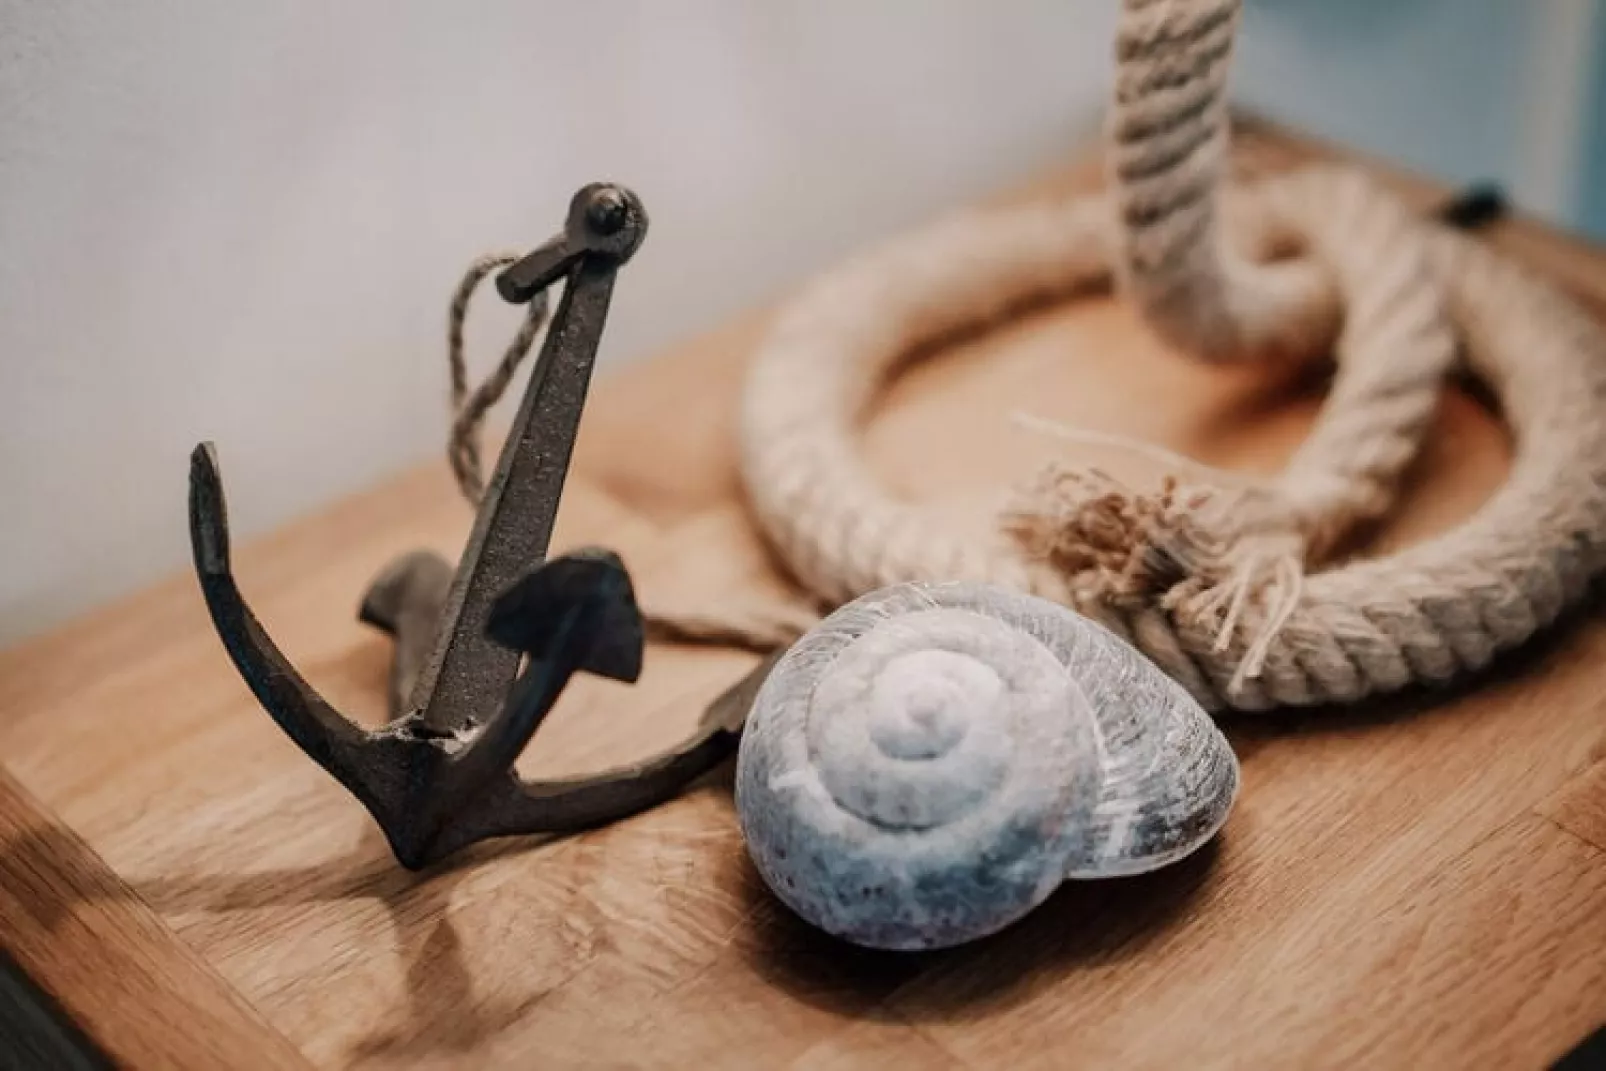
<point>1084,925</point>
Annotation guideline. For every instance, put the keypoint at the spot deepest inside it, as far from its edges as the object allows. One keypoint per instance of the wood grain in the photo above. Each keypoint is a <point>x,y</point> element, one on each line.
<point>89,944</point>
<point>1579,806</point>
<point>1418,882</point>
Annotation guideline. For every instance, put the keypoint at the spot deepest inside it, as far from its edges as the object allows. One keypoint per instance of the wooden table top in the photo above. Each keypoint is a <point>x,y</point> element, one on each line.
<point>1419,882</point>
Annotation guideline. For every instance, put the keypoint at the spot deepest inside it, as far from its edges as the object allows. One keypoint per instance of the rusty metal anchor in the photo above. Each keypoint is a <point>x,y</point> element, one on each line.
<point>440,775</point>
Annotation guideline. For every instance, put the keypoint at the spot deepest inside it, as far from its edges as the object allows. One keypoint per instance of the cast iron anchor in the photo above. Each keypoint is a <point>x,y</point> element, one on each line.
<point>440,775</point>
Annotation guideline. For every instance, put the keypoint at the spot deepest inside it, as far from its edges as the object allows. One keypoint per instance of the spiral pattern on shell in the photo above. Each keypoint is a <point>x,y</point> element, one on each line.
<point>932,761</point>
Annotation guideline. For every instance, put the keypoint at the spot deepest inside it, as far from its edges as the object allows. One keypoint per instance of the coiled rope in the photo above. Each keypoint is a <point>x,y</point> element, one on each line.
<point>1217,579</point>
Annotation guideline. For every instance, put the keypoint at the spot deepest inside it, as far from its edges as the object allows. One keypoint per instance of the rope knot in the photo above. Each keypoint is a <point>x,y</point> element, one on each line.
<point>1225,558</point>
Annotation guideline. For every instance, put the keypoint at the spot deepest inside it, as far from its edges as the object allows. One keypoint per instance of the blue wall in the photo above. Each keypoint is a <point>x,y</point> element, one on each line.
<point>1592,188</point>
<point>1447,87</point>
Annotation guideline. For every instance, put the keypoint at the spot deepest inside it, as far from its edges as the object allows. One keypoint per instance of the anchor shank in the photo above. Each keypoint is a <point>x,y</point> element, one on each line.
<point>468,675</point>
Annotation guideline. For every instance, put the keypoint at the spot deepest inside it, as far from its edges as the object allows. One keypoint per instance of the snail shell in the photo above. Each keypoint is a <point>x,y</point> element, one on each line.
<point>932,761</point>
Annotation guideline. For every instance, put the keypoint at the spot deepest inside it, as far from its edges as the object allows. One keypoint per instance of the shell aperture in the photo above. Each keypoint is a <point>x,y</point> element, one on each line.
<point>932,761</point>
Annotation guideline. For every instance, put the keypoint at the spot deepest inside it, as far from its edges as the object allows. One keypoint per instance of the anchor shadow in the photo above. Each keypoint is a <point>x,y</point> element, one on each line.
<point>441,1012</point>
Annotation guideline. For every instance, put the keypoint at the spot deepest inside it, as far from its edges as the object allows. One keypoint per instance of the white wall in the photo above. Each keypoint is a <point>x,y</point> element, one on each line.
<point>240,219</point>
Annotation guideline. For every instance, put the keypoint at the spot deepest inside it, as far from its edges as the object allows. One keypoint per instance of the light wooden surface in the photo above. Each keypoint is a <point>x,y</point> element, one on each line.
<point>89,942</point>
<point>1414,883</point>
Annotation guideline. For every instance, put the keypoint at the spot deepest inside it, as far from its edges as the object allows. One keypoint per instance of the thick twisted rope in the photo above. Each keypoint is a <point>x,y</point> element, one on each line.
<point>1212,576</point>
<point>1212,580</point>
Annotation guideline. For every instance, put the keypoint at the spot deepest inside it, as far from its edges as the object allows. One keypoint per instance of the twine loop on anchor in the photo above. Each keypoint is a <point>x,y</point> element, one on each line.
<point>469,408</point>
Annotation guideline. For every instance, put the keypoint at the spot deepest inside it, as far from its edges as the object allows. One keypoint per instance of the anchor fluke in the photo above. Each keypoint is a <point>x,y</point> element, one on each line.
<point>527,617</point>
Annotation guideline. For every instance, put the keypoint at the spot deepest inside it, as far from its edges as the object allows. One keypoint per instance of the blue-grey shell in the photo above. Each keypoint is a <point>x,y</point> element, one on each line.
<point>932,761</point>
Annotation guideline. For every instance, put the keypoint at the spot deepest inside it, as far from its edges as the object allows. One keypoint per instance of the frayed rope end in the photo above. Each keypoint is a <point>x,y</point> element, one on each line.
<point>1206,552</point>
